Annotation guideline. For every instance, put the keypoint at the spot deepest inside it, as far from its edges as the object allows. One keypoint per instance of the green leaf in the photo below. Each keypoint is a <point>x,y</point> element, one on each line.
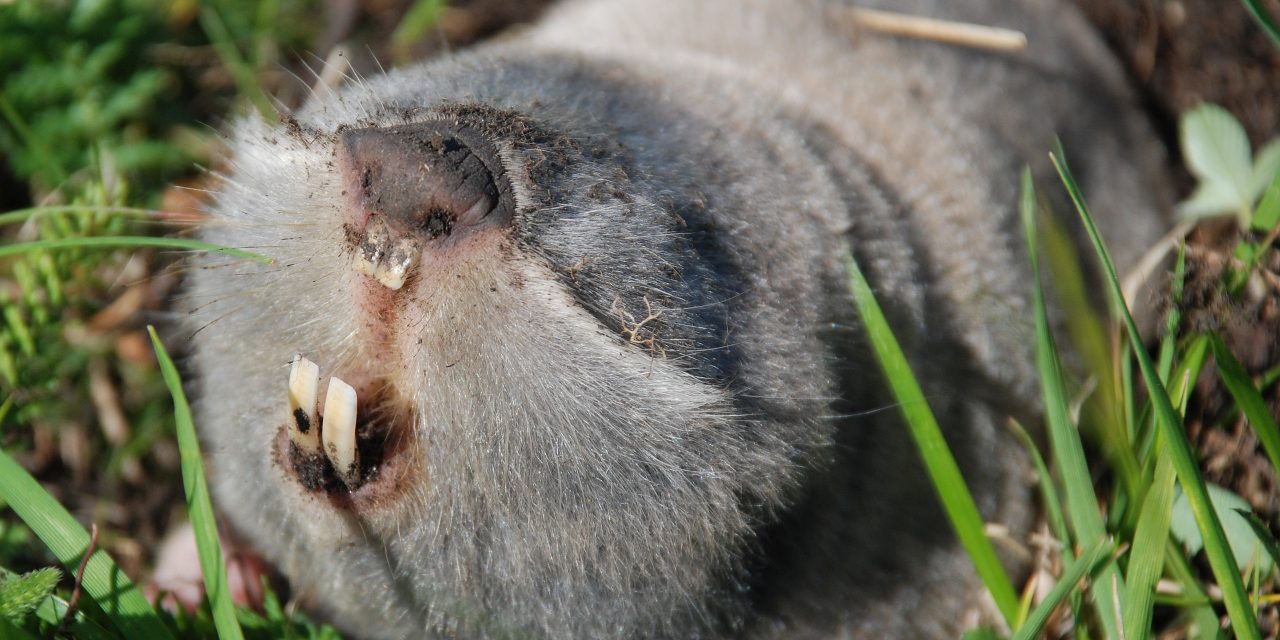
<point>20,595</point>
<point>1265,167</point>
<point>1210,199</point>
<point>1217,153</point>
<point>1244,543</point>
<point>941,466</point>
<point>1267,215</point>
<point>103,580</point>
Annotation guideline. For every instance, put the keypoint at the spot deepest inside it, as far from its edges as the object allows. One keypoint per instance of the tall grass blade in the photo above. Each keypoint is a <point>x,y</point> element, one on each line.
<point>241,70</point>
<point>1146,554</point>
<point>1052,507</point>
<point>1260,529</point>
<point>22,215</point>
<point>940,464</point>
<point>97,242</point>
<point>1086,564</point>
<point>1082,503</point>
<point>1168,342</point>
<point>1264,19</point>
<point>1225,570</point>
<point>1247,398</point>
<point>103,581</point>
<point>1048,491</point>
<point>1107,408</point>
<point>199,506</point>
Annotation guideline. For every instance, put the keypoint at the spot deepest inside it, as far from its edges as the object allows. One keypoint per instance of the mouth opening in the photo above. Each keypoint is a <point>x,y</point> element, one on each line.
<point>374,439</point>
<point>348,448</point>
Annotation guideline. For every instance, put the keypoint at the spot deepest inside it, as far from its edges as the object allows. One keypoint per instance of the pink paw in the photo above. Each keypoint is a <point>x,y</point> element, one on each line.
<point>179,578</point>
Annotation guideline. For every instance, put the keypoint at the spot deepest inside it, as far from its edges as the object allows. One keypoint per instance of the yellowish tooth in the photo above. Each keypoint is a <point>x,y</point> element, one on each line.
<point>395,268</point>
<point>372,248</point>
<point>339,431</point>
<point>304,383</point>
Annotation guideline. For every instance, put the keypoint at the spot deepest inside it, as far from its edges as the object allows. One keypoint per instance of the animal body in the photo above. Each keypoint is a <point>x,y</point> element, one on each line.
<point>557,339</point>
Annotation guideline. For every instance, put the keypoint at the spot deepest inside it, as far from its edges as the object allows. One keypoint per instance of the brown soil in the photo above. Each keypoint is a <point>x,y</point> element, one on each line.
<point>1249,324</point>
<point>1182,53</point>
<point>1185,52</point>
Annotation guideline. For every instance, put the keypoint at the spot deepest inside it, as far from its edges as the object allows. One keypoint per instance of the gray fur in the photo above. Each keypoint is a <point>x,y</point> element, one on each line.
<point>730,468</point>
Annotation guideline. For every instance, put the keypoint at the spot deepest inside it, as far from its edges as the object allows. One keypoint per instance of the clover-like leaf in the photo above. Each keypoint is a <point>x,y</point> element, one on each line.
<point>1217,153</point>
<point>1265,167</point>
<point>1243,540</point>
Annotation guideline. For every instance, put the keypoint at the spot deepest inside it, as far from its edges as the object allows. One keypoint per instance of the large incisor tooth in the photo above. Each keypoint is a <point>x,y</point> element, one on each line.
<point>372,248</point>
<point>339,431</point>
<point>397,264</point>
<point>304,383</point>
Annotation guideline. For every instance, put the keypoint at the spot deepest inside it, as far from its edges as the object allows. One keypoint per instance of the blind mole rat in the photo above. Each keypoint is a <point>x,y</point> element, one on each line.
<point>557,340</point>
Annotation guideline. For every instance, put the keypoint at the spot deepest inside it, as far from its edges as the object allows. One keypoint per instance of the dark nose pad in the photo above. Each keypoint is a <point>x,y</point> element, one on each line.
<point>417,183</point>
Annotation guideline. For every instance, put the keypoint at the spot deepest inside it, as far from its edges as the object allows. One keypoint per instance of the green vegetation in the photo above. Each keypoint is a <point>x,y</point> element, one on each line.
<point>101,107</point>
<point>1158,521</point>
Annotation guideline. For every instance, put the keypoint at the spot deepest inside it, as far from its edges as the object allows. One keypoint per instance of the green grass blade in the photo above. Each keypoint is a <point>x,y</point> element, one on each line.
<point>11,631</point>
<point>1107,409</point>
<point>1247,398</point>
<point>103,580</point>
<point>940,464</point>
<point>199,506</point>
<point>1086,564</point>
<point>22,215</point>
<point>1269,544</point>
<point>1082,503</point>
<point>1264,19</point>
<point>1052,508</point>
<point>420,17</point>
<point>1225,570</point>
<point>1048,492</point>
<point>1146,556</point>
<point>97,242</point>
<point>1147,551</point>
<point>1168,343</point>
<point>5,407</point>
<point>1195,602</point>
<point>245,77</point>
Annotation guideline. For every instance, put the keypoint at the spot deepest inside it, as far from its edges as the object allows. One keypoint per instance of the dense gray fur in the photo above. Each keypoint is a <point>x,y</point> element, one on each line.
<point>730,468</point>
